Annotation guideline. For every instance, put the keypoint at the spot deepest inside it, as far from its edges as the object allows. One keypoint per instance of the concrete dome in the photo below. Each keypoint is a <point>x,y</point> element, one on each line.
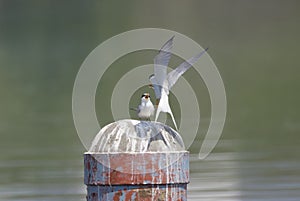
<point>136,136</point>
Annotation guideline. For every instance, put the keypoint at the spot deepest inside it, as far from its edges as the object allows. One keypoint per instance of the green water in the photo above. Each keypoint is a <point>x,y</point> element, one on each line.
<point>253,43</point>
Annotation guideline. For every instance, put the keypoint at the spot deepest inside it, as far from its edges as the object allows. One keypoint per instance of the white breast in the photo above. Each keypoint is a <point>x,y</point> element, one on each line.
<point>146,110</point>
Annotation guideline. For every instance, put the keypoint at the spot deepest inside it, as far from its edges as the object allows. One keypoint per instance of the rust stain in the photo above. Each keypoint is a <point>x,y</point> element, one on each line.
<point>117,196</point>
<point>152,179</point>
<point>129,195</point>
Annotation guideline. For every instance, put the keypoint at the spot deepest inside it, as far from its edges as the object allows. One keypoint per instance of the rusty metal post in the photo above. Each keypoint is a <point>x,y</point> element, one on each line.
<point>137,176</point>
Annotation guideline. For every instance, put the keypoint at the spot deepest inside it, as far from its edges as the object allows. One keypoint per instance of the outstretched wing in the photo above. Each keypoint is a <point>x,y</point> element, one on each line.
<point>156,86</point>
<point>161,62</point>
<point>174,75</point>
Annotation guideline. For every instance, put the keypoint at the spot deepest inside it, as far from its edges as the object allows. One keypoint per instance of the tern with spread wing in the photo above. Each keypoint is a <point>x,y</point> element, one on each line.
<point>163,82</point>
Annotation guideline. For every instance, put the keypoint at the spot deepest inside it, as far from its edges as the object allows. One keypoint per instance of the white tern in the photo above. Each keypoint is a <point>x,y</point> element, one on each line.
<point>146,109</point>
<point>163,82</point>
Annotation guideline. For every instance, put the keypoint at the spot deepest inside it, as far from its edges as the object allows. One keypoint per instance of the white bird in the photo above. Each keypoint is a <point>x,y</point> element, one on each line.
<point>146,109</point>
<point>163,82</point>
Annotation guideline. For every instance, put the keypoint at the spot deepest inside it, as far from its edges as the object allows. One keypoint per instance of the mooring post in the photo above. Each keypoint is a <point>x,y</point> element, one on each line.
<point>136,161</point>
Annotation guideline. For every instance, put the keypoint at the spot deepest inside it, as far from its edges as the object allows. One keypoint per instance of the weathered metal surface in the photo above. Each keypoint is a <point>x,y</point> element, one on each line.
<point>132,160</point>
<point>133,176</point>
<point>136,136</point>
<point>168,192</point>
<point>133,168</point>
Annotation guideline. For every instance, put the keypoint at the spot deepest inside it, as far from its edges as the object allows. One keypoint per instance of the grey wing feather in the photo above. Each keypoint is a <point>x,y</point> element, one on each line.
<point>138,109</point>
<point>174,75</point>
<point>161,61</point>
<point>156,87</point>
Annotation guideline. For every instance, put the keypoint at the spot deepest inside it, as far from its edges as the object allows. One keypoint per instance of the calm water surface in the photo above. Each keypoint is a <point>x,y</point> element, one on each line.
<point>222,176</point>
<point>255,45</point>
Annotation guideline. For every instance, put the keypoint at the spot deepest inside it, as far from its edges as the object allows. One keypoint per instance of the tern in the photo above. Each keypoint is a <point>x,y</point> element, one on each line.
<point>163,82</point>
<point>146,109</point>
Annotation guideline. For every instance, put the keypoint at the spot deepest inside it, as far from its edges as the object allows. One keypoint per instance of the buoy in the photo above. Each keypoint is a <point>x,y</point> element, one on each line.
<point>132,160</point>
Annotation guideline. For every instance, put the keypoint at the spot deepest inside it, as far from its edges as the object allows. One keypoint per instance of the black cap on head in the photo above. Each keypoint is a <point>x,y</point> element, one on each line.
<point>146,95</point>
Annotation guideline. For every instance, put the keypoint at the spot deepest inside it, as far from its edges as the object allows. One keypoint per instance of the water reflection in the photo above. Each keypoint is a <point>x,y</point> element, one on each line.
<point>246,176</point>
<point>222,176</point>
<point>215,178</point>
<point>48,180</point>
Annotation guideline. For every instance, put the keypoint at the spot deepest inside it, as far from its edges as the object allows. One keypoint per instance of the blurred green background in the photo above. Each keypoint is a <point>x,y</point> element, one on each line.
<point>253,43</point>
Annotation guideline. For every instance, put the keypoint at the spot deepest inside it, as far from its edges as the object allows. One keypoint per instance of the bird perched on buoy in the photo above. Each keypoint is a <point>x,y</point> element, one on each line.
<point>146,109</point>
<point>162,82</point>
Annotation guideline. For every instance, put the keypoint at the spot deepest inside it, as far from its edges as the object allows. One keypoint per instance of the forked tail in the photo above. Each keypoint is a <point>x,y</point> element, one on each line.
<point>164,106</point>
